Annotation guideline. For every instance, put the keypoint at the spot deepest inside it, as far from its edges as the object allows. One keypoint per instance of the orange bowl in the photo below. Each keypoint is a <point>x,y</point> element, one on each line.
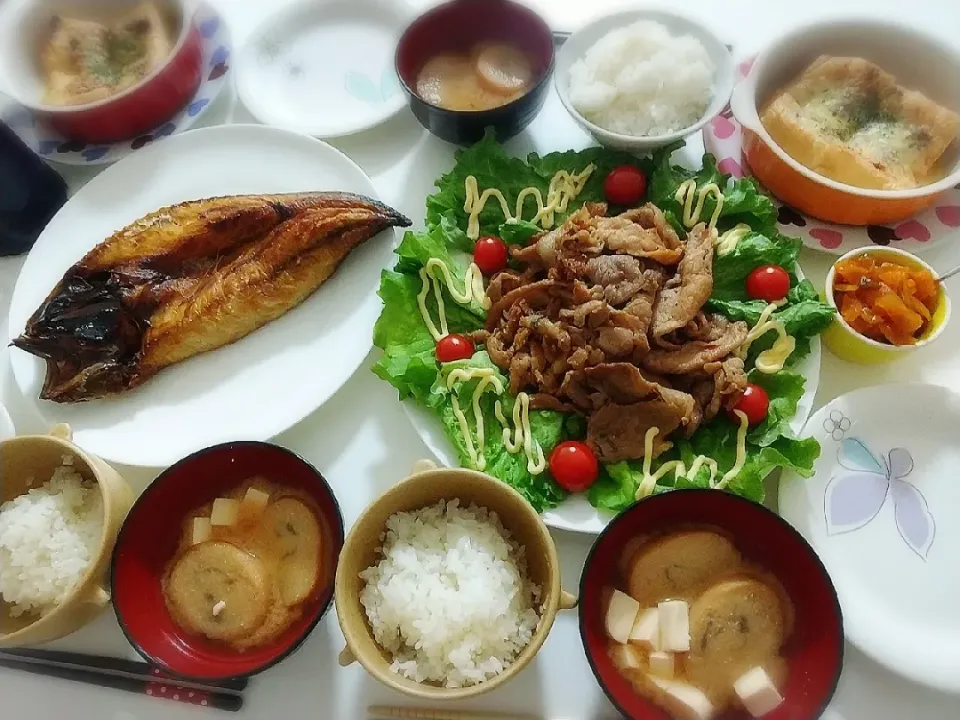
<point>916,60</point>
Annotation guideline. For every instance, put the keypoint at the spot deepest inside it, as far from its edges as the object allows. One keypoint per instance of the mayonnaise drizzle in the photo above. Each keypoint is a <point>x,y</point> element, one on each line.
<point>685,194</point>
<point>516,438</point>
<point>771,360</point>
<point>680,471</point>
<point>563,188</point>
<point>473,291</point>
<point>727,242</point>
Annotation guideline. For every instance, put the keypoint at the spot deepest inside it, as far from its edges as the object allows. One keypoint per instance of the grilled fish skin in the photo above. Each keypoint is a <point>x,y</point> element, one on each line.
<point>188,279</point>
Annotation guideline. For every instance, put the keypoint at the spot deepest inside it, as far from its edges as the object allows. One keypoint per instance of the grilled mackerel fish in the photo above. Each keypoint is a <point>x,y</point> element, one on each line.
<point>189,279</point>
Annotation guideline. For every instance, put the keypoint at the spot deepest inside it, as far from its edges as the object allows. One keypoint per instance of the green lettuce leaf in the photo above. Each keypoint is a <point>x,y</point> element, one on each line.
<point>804,317</point>
<point>743,200</point>
<point>548,429</point>
<point>489,163</point>
<point>518,233</point>
<point>770,446</point>
<point>730,271</point>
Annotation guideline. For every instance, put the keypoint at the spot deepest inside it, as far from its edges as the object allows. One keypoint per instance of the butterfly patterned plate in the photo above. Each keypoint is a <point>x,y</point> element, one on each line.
<point>883,513</point>
<point>723,138</point>
<point>51,145</point>
<point>325,68</point>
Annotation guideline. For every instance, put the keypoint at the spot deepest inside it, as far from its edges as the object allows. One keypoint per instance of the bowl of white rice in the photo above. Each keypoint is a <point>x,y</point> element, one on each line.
<point>448,585</point>
<point>60,512</point>
<point>642,79</point>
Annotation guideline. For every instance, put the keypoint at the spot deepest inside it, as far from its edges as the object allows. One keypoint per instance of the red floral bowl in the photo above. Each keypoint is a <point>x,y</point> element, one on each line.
<point>137,109</point>
<point>148,541</point>
<point>814,650</point>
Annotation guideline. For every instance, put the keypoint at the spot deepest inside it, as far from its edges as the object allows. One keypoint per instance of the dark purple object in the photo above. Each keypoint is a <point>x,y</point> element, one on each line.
<point>31,193</point>
<point>456,27</point>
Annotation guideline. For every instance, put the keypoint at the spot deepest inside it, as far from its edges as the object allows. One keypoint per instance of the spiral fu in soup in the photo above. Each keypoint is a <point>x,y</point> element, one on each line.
<point>696,628</point>
<point>247,565</point>
<point>490,75</point>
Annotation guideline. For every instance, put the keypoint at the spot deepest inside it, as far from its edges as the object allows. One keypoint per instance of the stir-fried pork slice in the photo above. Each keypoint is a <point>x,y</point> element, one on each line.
<point>720,385</point>
<point>572,236</point>
<point>686,292</point>
<point>625,234</point>
<point>618,432</point>
<point>620,276</point>
<point>696,345</point>
<point>650,217</point>
<point>504,282</point>
<point>537,295</point>
<point>543,401</point>
<point>623,383</point>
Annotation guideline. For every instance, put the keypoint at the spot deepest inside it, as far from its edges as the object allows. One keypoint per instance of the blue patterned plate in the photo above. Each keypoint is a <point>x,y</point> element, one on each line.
<point>883,513</point>
<point>48,143</point>
<point>325,68</point>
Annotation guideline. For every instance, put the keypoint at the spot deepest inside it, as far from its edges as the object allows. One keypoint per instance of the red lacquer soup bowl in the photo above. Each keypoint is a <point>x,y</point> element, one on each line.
<point>149,539</point>
<point>814,650</point>
<point>145,105</point>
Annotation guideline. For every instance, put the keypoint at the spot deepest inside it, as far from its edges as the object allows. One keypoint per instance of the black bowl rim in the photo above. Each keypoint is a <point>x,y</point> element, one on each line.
<point>622,517</point>
<point>280,657</point>
<point>412,95</point>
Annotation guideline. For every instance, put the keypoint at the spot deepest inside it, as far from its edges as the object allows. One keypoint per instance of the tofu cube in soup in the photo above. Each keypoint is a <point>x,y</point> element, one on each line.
<point>674,625</point>
<point>662,664</point>
<point>621,615</point>
<point>646,629</point>
<point>225,512</point>
<point>757,692</point>
<point>684,701</point>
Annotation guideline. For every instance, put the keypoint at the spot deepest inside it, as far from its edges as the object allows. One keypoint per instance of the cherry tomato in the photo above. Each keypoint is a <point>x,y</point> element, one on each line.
<point>754,403</point>
<point>454,347</point>
<point>625,185</point>
<point>574,466</point>
<point>768,282</point>
<point>490,255</point>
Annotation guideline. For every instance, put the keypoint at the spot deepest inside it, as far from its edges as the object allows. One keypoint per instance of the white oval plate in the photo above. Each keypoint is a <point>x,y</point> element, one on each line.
<point>325,68</point>
<point>250,390</point>
<point>723,137</point>
<point>883,514</point>
<point>51,145</point>
<point>576,513</point>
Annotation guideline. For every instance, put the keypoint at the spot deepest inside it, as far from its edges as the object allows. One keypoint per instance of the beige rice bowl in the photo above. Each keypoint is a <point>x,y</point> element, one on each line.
<point>449,598</point>
<point>48,539</point>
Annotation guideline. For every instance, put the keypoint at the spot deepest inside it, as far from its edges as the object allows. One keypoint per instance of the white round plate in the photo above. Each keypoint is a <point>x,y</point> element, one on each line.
<point>883,514</point>
<point>51,145</point>
<point>723,137</point>
<point>250,390</point>
<point>576,513</point>
<point>325,68</point>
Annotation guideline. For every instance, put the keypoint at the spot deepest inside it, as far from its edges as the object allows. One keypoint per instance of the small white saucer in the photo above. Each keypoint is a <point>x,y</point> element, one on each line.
<point>883,513</point>
<point>325,68</point>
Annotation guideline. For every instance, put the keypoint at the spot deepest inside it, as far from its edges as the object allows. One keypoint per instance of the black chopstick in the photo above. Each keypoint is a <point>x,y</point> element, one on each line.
<point>126,675</point>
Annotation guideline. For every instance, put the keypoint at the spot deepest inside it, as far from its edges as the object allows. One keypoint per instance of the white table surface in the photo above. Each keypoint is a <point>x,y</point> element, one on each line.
<point>362,441</point>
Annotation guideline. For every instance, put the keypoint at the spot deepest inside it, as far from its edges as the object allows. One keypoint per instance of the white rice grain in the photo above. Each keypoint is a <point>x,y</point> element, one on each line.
<point>449,599</point>
<point>48,538</point>
<point>640,80</point>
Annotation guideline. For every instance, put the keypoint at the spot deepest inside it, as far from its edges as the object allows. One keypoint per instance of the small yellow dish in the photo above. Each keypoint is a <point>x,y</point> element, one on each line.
<point>847,344</point>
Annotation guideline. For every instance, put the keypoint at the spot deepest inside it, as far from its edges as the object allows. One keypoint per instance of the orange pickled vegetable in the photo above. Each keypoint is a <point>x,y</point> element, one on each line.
<point>885,301</point>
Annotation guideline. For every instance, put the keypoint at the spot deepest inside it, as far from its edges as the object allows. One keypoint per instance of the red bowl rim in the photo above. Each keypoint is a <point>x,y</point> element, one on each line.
<point>187,11</point>
<point>338,530</point>
<point>436,10</point>
<point>622,517</point>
